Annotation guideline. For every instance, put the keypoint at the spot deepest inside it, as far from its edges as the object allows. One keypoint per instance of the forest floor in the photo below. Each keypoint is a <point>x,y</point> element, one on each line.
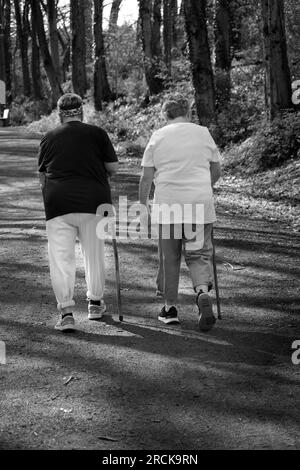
<point>140,384</point>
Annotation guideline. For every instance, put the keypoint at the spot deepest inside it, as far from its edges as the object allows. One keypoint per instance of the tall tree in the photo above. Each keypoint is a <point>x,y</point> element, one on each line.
<point>35,61</point>
<point>102,92</point>
<point>37,17</point>
<point>65,39</point>
<point>79,76</point>
<point>5,22</point>
<point>202,72</point>
<point>89,30</point>
<point>168,34</point>
<point>224,49</point>
<point>53,33</point>
<point>23,35</point>
<point>2,42</point>
<point>114,14</point>
<point>152,66</point>
<point>277,72</point>
<point>156,29</point>
<point>174,15</point>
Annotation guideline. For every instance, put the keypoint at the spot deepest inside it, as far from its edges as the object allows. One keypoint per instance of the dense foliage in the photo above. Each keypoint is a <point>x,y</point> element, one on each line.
<point>132,115</point>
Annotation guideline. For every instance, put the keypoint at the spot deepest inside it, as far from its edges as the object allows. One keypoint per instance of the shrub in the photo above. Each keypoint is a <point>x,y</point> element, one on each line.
<point>24,111</point>
<point>271,146</point>
<point>278,141</point>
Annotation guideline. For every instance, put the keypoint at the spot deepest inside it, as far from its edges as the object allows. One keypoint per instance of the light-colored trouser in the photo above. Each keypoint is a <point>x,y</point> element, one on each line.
<point>198,254</point>
<point>62,233</point>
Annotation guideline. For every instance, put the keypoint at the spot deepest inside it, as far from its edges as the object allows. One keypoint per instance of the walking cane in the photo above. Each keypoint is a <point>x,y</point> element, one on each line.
<point>216,278</point>
<point>118,283</point>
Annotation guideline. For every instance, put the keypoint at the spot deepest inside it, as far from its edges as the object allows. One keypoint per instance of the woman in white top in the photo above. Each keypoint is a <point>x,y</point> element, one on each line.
<point>184,162</point>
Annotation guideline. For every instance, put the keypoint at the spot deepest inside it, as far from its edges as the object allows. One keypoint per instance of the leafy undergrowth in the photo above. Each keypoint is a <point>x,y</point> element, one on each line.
<point>257,198</point>
<point>272,193</point>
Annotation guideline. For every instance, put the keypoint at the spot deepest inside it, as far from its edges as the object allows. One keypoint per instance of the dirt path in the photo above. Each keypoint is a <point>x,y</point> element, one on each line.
<point>140,385</point>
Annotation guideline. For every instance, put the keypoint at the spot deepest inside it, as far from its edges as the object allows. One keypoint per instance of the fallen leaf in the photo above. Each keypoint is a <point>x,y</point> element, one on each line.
<point>107,438</point>
<point>69,380</point>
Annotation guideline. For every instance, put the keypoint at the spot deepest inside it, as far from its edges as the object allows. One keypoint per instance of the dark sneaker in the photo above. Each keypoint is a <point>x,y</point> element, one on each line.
<point>169,317</point>
<point>96,309</point>
<point>159,293</point>
<point>206,314</point>
<point>66,324</point>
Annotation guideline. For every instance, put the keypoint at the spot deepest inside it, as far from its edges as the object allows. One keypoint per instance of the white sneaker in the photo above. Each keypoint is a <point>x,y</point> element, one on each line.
<point>96,311</point>
<point>66,324</point>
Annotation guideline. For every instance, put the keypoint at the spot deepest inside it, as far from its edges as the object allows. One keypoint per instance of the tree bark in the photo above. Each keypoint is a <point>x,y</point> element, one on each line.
<point>152,67</point>
<point>79,77</point>
<point>202,73</point>
<point>174,14</point>
<point>35,62</point>
<point>114,15</point>
<point>46,56</point>
<point>102,92</point>
<point>6,5</point>
<point>156,28</point>
<point>277,73</point>
<point>2,43</point>
<point>89,27</point>
<point>223,48</point>
<point>53,33</point>
<point>168,36</point>
<point>22,34</point>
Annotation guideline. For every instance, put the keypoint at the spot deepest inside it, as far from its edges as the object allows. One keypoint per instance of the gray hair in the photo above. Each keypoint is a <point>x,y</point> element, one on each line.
<point>70,105</point>
<point>176,106</point>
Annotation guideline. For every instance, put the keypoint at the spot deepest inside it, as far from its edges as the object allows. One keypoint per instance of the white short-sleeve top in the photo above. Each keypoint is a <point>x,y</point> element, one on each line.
<point>181,154</point>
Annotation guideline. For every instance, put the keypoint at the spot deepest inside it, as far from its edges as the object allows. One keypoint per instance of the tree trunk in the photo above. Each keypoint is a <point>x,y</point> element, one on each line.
<point>236,26</point>
<point>2,44</point>
<point>156,28</point>
<point>168,27</point>
<point>35,62</point>
<point>53,33</point>
<point>22,34</point>
<point>202,73</point>
<point>102,92</point>
<point>7,49</point>
<point>47,59</point>
<point>223,45</point>
<point>89,27</point>
<point>277,72</point>
<point>114,15</point>
<point>79,77</point>
<point>66,62</point>
<point>174,14</point>
<point>64,39</point>
<point>153,76</point>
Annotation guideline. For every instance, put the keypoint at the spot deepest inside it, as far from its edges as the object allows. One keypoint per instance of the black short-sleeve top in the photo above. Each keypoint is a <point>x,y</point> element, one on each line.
<point>73,158</point>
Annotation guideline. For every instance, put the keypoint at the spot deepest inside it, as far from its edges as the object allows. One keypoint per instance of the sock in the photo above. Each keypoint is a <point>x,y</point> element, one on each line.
<point>203,289</point>
<point>67,315</point>
<point>168,307</point>
<point>95,302</point>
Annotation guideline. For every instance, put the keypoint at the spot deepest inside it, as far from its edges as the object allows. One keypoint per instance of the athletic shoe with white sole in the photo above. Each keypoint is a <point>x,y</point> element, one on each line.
<point>96,309</point>
<point>206,315</point>
<point>169,317</point>
<point>66,324</point>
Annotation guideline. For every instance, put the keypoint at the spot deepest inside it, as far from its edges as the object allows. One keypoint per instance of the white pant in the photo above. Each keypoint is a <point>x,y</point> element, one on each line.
<point>62,232</point>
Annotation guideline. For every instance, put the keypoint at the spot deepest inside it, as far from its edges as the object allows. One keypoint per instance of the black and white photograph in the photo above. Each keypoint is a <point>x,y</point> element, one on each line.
<point>149,229</point>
